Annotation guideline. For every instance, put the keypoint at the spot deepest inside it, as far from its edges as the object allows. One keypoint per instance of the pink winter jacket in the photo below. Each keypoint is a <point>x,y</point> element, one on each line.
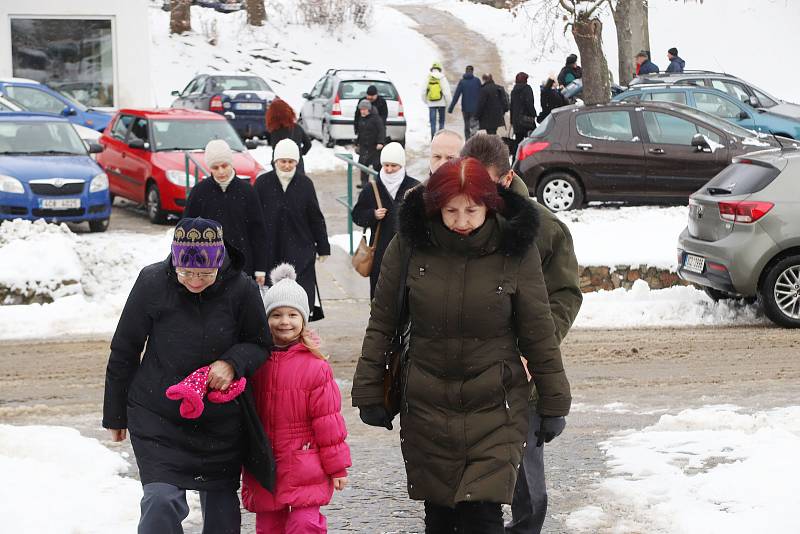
<point>299,404</point>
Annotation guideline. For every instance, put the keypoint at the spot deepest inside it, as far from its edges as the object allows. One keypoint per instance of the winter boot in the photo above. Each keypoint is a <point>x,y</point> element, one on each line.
<point>234,390</point>
<point>191,389</point>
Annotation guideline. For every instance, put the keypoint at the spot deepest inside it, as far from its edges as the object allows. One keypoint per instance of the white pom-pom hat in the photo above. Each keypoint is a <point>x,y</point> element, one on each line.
<point>285,291</point>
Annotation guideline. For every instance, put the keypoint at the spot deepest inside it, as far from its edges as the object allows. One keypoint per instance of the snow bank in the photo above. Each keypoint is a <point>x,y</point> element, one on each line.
<point>712,470</point>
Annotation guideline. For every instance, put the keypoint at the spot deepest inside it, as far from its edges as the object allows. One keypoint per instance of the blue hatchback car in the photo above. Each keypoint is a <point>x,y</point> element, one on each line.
<point>719,103</point>
<point>40,98</point>
<point>46,172</point>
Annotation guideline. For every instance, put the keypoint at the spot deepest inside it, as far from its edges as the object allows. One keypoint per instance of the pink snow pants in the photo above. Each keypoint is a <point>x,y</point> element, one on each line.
<point>292,521</point>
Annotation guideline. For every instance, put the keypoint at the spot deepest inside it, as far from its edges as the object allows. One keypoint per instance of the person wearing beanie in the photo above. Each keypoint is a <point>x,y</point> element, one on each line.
<point>570,72</point>
<point>391,184</point>
<point>193,310</point>
<point>436,94</point>
<point>282,124</point>
<point>676,64</point>
<point>468,89</point>
<point>644,65</point>
<point>233,202</point>
<point>371,138</point>
<point>378,103</point>
<point>523,110</point>
<point>295,227</point>
<point>300,405</point>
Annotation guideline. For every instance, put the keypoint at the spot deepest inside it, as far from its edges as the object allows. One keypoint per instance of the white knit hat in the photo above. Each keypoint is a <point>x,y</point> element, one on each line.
<point>286,149</point>
<point>393,153</point>
<point>285,291</point>
<point>218,151</point>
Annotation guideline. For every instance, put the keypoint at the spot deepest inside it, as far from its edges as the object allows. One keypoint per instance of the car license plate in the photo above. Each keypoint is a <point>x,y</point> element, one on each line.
<point>59,203</point>
<point>694,263</point>
<point>249,106</point>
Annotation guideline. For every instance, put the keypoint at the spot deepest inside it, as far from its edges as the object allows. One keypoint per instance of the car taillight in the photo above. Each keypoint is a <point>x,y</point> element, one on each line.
<point>400,112</point>
<point>744,211</point>
<point>337,107</point>
<point>532,148</point>
<point>215,104</point>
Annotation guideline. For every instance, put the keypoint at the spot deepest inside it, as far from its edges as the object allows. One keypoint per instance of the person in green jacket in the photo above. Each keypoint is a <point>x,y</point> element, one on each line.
<point>560,269</point>
<point>476,300</point>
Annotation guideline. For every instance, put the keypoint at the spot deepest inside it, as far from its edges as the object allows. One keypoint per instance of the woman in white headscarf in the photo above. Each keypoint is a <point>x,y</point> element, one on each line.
<point>391,186</point>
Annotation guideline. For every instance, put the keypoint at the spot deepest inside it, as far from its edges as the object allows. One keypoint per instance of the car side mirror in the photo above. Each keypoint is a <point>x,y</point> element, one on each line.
<point>251,144</point>
<point>95,148</point>
<point>307,96</point>
<point>175,93</point>
<point>700,143</point>
<point>754,102</point>
<point>68,111</point>
<point>743,115</point>
<point>137,143</point>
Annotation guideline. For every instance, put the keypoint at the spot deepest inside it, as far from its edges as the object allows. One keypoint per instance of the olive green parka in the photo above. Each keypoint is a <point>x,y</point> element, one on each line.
<point>476,303</point>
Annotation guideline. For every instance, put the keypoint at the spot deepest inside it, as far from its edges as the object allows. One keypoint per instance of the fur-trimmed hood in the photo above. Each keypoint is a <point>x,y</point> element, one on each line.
<point>518,222</point>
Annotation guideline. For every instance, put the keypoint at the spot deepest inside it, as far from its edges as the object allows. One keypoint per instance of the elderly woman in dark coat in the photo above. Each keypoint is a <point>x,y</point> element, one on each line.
<point>195,309</point>
<point>476,300</point>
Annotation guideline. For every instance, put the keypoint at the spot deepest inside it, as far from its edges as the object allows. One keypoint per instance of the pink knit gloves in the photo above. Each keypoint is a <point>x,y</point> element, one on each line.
<point>191,390</point>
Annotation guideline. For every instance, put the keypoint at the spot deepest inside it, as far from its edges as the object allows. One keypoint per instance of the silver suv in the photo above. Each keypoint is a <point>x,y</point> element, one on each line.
<point>743,236</point>
<point>330,107</point>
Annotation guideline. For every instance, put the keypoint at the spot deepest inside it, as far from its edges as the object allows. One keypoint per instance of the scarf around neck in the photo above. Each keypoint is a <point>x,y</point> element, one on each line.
<point>392,181</point>
<point>285,178</point>
<point>225,183</point>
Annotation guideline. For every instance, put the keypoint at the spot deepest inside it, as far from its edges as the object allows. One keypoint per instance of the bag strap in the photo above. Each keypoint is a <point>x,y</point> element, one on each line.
<point>402,297</point>
<point>380,206</point>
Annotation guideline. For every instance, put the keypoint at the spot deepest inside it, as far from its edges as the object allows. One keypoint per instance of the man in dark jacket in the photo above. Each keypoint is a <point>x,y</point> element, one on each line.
<point>378,104</point>
<point>560,269</point>
<point>644,65</point>
<point>492,105</point>
<point>371,136</point>
<point>232,201</point>
<point>468,89</point>
<point>193,310</point>
<point>570,71</point>
<point>523,111</point>
<point>676,64</point>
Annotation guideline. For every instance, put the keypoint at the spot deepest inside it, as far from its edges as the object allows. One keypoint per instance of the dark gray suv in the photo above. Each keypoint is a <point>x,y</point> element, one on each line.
<point>743,236</point>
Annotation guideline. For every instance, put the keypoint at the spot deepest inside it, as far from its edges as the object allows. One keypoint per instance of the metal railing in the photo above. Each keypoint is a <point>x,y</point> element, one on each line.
<point>347,200</point>
<point>197,167</point>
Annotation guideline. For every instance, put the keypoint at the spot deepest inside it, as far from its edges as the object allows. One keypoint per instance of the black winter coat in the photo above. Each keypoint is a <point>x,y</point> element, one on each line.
<point>379,106</point>
<point>238,211</point>
<point>491,106</point>
<point>371,132</point>
<point>575,70</point>
<point>364,216</point>
<point>296,134</point>
<point>296,231</point>
<point>182,332</point>
<point>551,99</point>
<point>523,110</point>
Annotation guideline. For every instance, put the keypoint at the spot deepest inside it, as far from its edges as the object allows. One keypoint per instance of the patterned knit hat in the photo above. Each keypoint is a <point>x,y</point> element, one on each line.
<point>285,291</point>
<point>197,244</point>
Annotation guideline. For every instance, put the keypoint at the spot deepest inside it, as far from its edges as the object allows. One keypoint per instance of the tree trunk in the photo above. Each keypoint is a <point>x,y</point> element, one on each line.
<point>588,36</point>
<point>256,12</point>
<point>633,35</point>
<point>180,17</point>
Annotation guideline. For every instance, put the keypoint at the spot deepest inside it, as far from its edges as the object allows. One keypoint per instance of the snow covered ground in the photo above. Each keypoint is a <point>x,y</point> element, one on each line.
<point>710,470</point>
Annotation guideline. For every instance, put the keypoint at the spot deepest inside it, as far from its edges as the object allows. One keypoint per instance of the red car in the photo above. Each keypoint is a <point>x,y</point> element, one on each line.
<point>145,155</point>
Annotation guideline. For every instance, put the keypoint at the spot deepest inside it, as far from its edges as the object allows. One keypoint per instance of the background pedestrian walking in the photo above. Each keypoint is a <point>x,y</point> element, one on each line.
<point>492,105</point>
<point>644,65</point>
<point>570,72</point>
<point>378,104</point>
<point>436,95</point>
<point>676,64</point>
<point>523,110</point>
<point>468,90</point>
<point>371,137</point>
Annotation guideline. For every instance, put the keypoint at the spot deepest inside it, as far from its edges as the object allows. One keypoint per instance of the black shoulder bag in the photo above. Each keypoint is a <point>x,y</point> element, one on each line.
<point>397,352</point>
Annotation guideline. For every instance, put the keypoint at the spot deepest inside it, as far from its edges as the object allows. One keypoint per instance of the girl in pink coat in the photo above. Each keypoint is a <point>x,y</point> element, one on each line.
<point>300,406</point>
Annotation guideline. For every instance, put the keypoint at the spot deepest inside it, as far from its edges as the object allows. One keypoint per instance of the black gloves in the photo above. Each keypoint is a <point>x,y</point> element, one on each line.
<point>375,415</point>
<point>549,429</point>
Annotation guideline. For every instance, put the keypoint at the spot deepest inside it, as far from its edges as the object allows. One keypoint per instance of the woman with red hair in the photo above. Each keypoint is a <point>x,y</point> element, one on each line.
<point>282,124</point>
<point>464,271</point>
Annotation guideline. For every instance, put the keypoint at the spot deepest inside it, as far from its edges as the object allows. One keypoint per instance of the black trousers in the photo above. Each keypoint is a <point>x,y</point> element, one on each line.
<point>465,518</point>
<point>369,158</point>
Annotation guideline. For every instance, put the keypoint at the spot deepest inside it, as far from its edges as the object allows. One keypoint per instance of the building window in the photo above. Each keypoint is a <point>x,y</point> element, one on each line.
<point>74,56</point>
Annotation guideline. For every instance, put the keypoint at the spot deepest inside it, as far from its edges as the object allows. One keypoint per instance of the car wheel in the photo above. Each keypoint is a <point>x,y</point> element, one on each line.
<point>153,205</point>
<point>99,225</point>
<point>560,192</point>
<point>780,292</point>
<point>327,140</point>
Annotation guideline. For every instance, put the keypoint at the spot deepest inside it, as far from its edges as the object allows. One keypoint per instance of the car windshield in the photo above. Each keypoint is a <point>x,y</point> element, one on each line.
<point>74,102</point>
<point>193,134</point>
<point>40,138</point>
<point>358,88</point>
<point>716,122</point>
<point>240,83</point>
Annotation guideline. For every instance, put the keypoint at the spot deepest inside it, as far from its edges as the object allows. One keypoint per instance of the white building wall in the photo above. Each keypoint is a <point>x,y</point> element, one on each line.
<point>130,33</point>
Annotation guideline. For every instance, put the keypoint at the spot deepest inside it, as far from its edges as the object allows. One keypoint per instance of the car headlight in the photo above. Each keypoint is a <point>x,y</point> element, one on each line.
<point>99,183</point>
<point>179,178</point>
<point>10,184</point>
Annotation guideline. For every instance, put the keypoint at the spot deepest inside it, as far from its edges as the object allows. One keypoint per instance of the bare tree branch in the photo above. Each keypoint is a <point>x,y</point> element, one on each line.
<point>569,9</point>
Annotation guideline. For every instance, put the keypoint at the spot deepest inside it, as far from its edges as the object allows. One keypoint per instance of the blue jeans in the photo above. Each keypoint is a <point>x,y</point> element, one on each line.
<point>529,506</point>
<point>432,111</point>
